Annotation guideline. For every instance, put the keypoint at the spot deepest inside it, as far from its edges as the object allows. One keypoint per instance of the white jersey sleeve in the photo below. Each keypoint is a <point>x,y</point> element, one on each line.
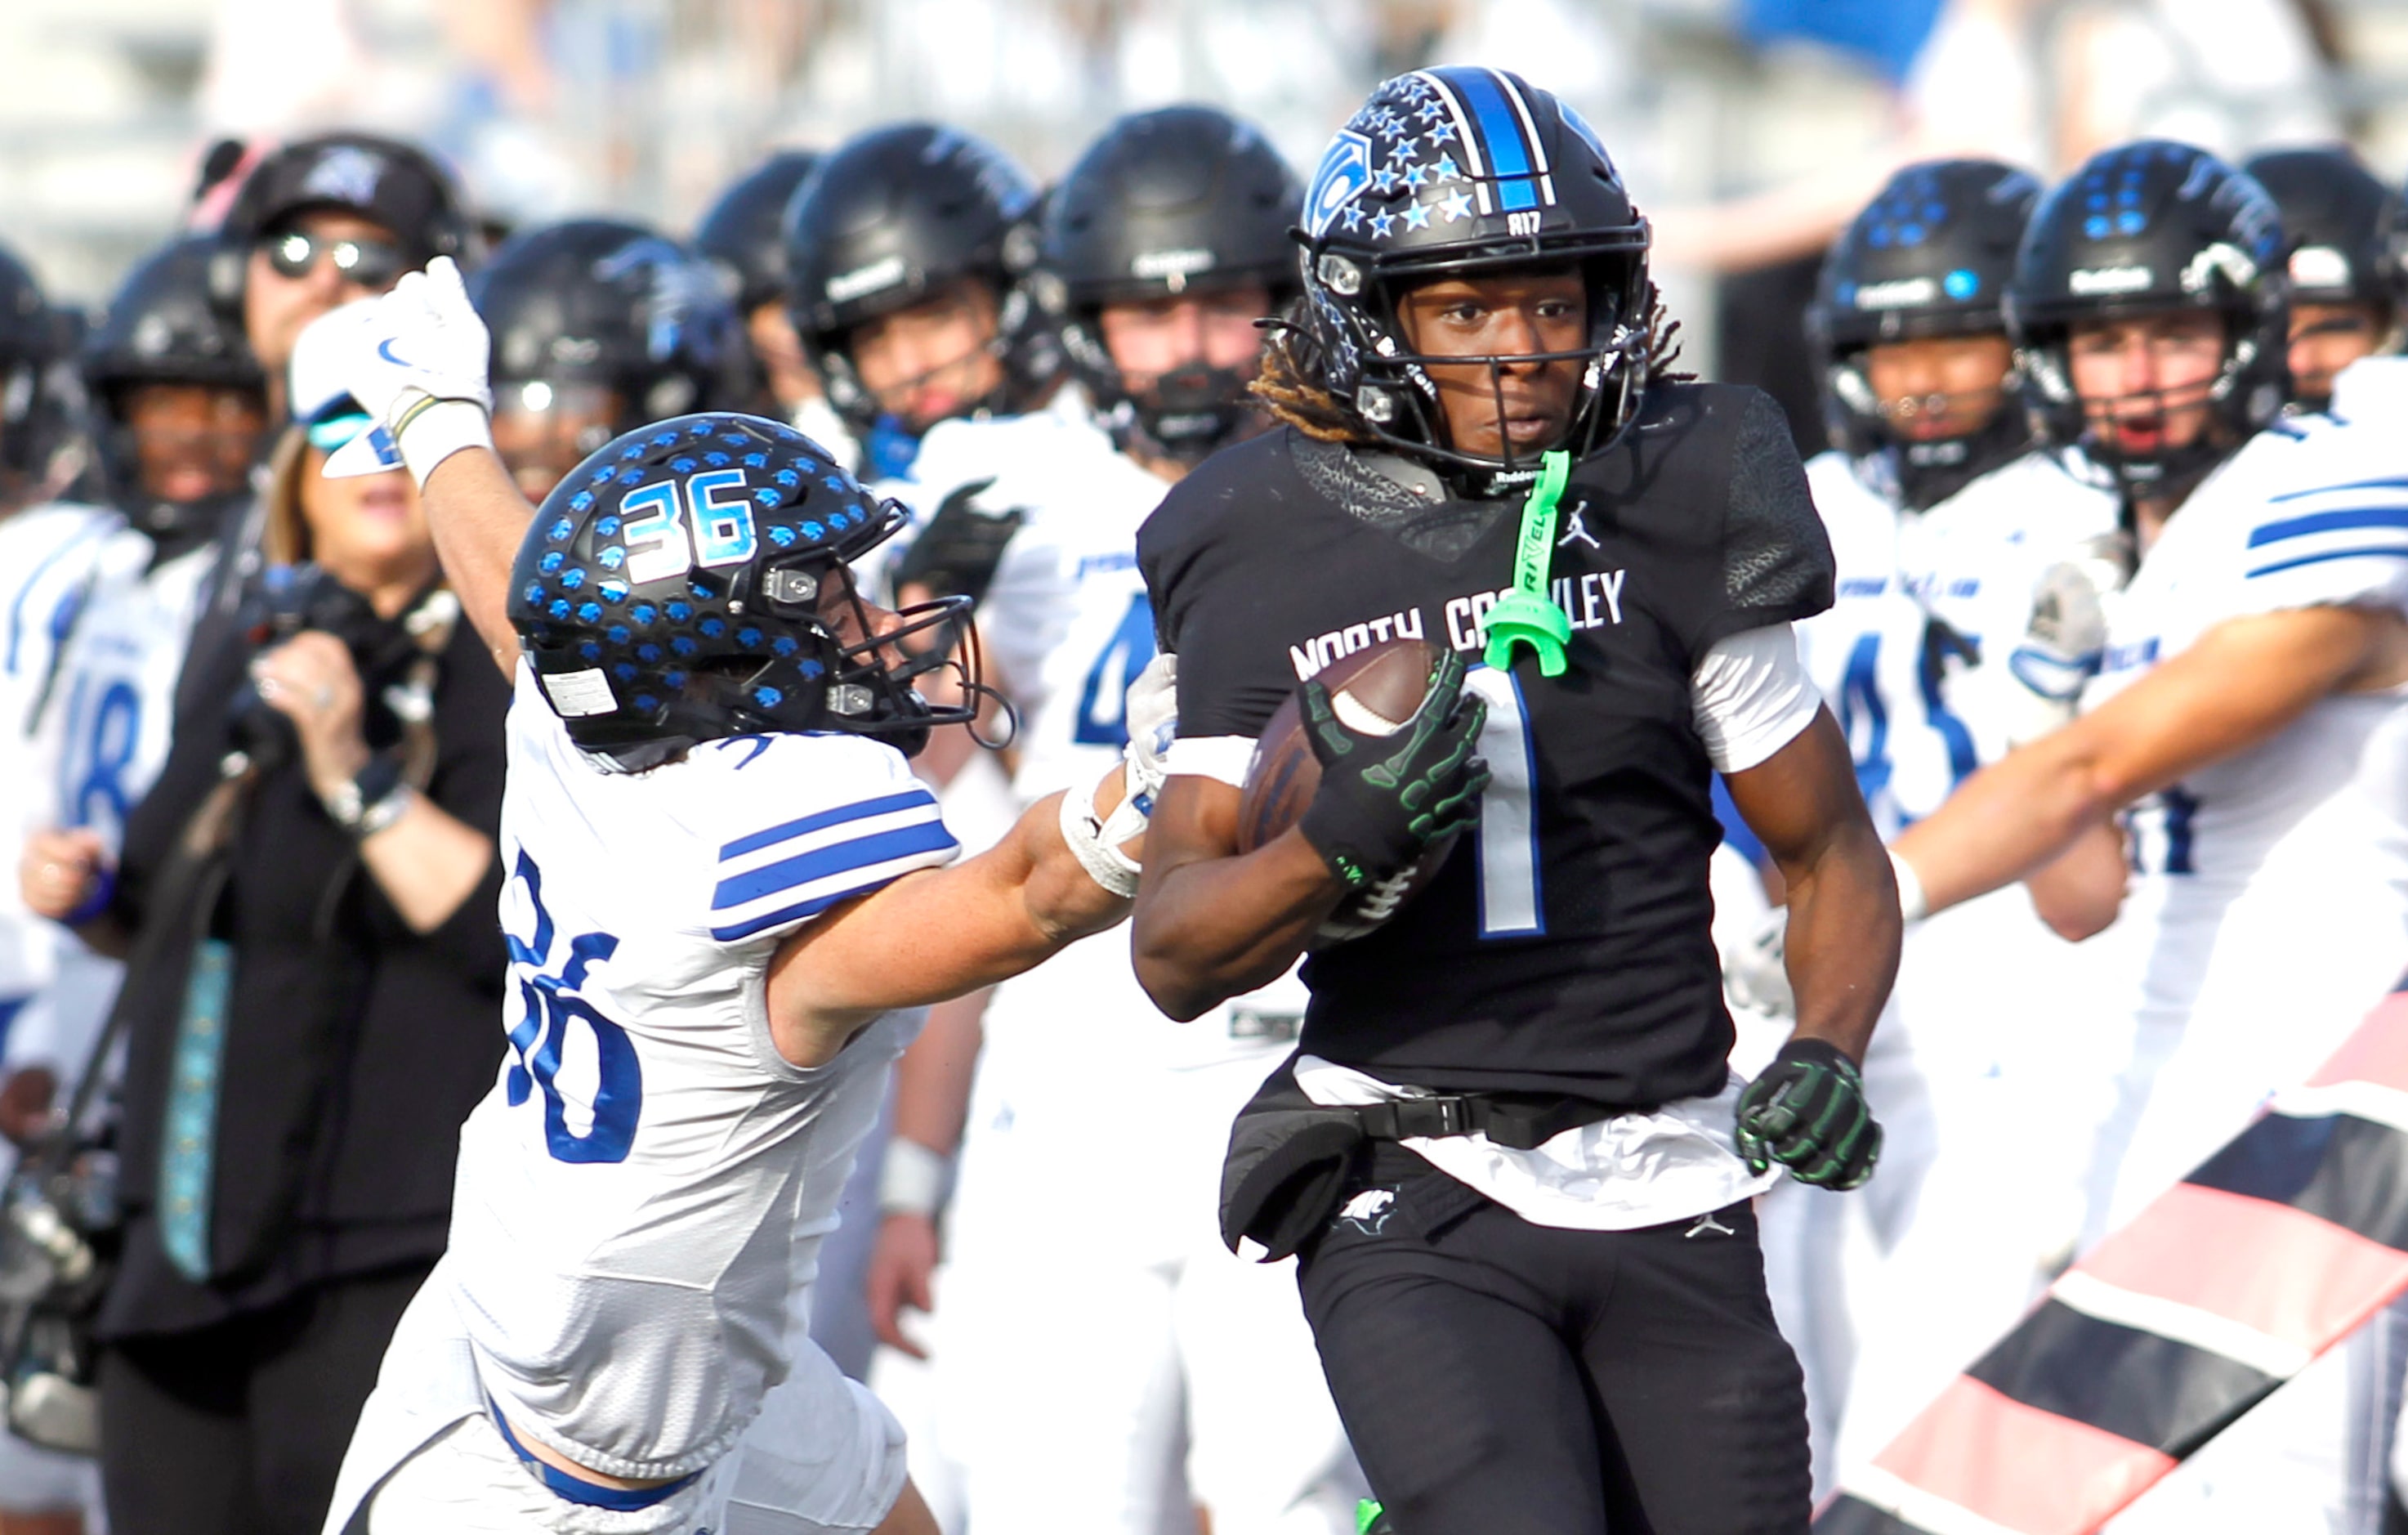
<point>2339,535</point>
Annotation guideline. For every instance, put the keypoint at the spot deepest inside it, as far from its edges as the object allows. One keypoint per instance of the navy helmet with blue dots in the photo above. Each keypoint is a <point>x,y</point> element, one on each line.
<point>1931,255</point>
<point>688,581</point>
<point>2150,228</point>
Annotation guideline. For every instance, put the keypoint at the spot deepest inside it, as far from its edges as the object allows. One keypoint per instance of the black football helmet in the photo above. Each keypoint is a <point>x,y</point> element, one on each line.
<point>2349,236</point>
<point>894,214</point>
<point>2151,228</point>
<point>37,391</point>
<point>688,581</point>
<point>740,234</point>
<point>161,327</point>
<point>598,326</point>
<point>1182,200</point>
<point>1456,172</point>
<point>1930,256</point>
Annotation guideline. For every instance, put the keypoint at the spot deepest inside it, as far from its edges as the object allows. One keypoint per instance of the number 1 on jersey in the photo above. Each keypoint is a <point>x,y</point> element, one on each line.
<point>1508,848</point>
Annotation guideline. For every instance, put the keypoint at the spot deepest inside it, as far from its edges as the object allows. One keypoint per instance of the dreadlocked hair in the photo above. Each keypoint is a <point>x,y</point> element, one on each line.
<point>1289,387</point>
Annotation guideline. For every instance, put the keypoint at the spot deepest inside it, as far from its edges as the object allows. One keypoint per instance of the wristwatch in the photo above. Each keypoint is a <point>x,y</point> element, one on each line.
<point>370,801</point>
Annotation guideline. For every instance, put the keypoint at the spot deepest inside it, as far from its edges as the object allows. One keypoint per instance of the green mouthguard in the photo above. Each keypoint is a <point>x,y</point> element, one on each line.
<point>1526,615</point>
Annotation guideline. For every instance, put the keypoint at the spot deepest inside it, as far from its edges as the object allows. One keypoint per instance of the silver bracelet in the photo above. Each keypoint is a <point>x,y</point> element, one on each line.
<point>913,1178</point>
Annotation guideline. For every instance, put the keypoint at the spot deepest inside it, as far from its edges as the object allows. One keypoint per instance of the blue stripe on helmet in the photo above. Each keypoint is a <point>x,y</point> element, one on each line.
<point>1509,157</point>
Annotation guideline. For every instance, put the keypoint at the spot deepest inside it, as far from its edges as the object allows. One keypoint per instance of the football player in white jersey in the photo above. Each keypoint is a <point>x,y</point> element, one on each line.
<point>1943,518</point>
<point>179,409</point>
<point>50,551</point>
<point>905,248</point>
<point>1075,1406</point>
<point>2248,720</point>
<point>725,879</point>
<point>2348,262</point>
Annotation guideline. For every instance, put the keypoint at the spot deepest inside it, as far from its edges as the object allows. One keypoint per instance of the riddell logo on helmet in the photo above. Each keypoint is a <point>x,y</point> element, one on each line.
<point>1172,264</point>
<point>885,272</point>
<point>1903,294</point>
<point>2092,281</point>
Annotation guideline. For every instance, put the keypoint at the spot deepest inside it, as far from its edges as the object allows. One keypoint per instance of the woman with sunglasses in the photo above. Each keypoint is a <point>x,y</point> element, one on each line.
<point>306,900</point>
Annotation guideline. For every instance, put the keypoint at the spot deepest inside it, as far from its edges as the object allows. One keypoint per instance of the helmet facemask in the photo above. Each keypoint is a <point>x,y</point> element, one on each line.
<point>1401,401</point>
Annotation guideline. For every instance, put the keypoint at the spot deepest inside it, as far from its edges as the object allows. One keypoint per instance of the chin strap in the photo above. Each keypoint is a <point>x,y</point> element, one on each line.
<point>1526,615</point>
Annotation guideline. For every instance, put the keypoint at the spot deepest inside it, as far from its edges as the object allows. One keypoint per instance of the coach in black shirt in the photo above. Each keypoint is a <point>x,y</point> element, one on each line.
<point>306,900</point>
<point>1534,1281</point>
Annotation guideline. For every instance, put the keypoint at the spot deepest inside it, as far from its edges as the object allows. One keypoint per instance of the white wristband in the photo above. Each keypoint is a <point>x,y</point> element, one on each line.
<point>1105,864</point>
<point>1911,904</point>
<point>433,430</point>
<point>913,1179</point>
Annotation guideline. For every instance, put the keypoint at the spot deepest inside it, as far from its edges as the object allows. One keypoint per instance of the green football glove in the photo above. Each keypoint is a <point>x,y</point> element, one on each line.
<point>1807,1112</point>
<point>1384,799</point>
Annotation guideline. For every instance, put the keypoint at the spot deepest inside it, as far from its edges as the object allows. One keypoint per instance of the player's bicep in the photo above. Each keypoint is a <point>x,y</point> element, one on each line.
<point>2241,684</point>
<point>1799,798</point>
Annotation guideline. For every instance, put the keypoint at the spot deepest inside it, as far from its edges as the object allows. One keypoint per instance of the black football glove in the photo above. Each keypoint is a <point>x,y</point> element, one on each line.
<point>957,553</point>
<point>1807,1112</point>
<point>1384,799</point>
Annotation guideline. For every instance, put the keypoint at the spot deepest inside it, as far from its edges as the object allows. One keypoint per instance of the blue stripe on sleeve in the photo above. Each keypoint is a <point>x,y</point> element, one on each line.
<point>2352,486</point>
<point>2381,551</point>
<point>825,819</point>
<point>828,862</point>
<point>2329,522</point>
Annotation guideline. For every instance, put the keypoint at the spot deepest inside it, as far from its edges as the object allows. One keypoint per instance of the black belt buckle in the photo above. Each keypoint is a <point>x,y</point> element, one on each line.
<point>1420,1118</point>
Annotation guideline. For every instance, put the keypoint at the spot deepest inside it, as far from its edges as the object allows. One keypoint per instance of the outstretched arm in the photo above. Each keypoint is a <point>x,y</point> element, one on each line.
<point>940,933</point>
<point>419,365</point>
<point>2244,683</point>
<point>479,519</point>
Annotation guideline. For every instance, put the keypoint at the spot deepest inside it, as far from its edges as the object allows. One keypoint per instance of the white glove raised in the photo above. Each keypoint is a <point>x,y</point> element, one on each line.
<point>2067,634</point>
<point>420,369</point>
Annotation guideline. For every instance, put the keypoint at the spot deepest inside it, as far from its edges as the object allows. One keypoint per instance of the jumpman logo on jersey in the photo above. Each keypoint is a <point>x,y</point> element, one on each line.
<point>1578,530</point>
<point>1706,1222</point>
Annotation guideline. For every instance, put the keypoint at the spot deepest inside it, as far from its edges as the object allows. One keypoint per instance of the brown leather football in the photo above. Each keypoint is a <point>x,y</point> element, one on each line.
<point>1374,691</point>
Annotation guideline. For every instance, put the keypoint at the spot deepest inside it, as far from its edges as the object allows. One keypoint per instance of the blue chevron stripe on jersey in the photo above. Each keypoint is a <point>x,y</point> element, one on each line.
<point>771,836</point>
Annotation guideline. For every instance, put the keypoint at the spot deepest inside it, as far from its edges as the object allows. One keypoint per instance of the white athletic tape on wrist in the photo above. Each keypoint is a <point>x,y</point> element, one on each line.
<point>913,1178</point>
<point>1105,864</point>
<point>1912,906</point>
<point>433,430</point>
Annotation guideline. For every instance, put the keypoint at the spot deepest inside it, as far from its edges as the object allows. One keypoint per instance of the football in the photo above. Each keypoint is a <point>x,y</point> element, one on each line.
<point>1374,691</point>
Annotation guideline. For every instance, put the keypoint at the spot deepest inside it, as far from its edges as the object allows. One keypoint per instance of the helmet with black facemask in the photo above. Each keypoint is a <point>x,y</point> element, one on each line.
<point>1186,200</point>
<point>1464,172</point>
<point>1930,256</point>
<point>2144,230</point>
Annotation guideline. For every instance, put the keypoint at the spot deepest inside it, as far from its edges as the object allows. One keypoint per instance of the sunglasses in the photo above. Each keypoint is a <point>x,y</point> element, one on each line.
<point>371,263</point>
<point>332,431</point>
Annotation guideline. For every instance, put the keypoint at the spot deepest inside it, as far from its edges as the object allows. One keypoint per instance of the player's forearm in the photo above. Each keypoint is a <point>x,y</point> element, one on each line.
<point>2007,821</point>
<point>1214,928</point>
<point>932,1081</point>
<point>2079,893</point>
<point>1842,939</point>
<point>479,518</point>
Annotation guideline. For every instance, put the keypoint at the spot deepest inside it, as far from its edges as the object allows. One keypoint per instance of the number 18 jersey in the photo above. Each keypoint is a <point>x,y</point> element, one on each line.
<point>649,1178</point>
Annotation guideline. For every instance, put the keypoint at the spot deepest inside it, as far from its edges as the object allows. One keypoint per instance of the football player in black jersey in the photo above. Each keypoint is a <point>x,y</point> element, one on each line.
<point>1506,1147</point>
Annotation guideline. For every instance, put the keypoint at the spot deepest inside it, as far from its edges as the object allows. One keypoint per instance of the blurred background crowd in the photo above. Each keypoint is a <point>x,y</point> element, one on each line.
<point>133,132</point>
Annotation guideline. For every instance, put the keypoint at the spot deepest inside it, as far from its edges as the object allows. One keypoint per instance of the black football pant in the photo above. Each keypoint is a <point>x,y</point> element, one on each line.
<point>1501,1378</point>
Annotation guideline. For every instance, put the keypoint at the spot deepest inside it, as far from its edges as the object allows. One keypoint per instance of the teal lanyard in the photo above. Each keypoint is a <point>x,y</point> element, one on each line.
<point>1526,615</point>
<point>186,1160</point>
